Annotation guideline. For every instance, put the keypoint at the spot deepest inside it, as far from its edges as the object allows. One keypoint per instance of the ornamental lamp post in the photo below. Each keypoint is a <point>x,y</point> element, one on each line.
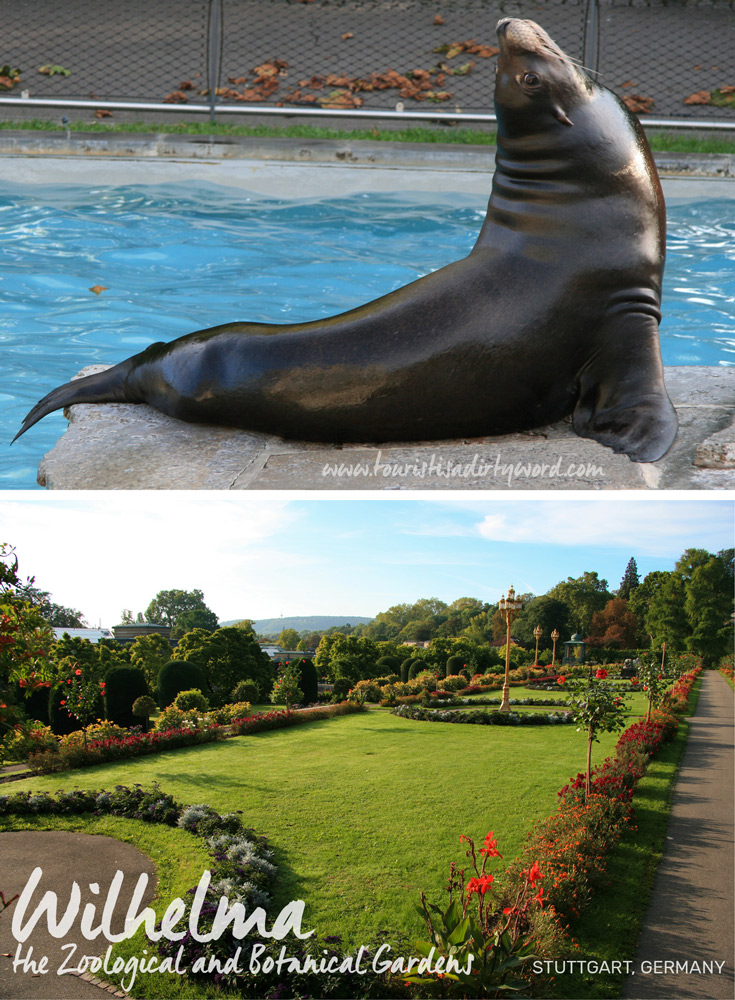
<point>554,636</point>
<point>509,608</point>
<point>538,632</point>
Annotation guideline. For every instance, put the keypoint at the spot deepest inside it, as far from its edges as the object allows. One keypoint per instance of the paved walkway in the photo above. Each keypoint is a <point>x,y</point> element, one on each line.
<point>89,860</point>
<point>690,916</point>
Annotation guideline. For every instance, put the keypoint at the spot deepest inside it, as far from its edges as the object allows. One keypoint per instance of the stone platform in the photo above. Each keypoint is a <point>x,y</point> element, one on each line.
<point>124,446</point>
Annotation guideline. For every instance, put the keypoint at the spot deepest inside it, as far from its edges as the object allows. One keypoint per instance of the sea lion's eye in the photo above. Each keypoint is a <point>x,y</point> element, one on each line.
<point>531,80</point>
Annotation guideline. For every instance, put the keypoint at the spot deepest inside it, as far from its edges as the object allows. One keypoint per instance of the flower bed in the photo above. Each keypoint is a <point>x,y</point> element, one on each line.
<point>728,673</point>
<point>483,718</point>
<point>120,748</point>
<point>71,754</point>
<point>266,721</point>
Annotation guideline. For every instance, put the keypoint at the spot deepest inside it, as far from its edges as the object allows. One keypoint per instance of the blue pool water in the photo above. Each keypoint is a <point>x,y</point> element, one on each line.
<point>179,258</point>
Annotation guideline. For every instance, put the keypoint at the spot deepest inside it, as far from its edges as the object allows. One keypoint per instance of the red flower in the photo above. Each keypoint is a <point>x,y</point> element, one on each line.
<point>561,679</point>
<point>490,848</point>
<point>62,702</point>
<point>479,885</point>
<point>533,874</point>
<point>78,672</point>
<point>601,674</point>
<point>538,898</point>
<point>634,680</point>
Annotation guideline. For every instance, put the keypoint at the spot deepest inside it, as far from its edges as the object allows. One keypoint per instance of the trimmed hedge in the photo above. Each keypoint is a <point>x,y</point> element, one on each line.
<point>123,686</point>
<point>179,675</point>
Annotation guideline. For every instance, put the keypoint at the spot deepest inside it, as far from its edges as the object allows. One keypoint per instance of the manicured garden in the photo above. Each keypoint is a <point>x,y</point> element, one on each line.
<point>369,808</point>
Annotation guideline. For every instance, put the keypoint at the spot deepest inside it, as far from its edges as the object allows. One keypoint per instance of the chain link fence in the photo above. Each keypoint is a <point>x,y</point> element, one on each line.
<point>672,61</point>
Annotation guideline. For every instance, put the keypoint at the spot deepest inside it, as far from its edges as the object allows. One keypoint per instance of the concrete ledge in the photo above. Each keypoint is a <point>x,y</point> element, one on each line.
<point>437,156</point>
<point>124,446</point>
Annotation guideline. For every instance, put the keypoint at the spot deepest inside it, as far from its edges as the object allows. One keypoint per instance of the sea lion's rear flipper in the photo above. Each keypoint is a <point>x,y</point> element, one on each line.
<point>622,400</point>
<point>108,386</point>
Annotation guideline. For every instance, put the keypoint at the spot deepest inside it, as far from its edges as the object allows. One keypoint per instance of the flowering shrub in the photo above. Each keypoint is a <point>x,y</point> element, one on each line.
<point>677,698</point>
<point>367,690</point>
<point>572,846</point>
<point>30,737</point>
<point>727,672</point>
<point>100,751</point>
<point>100,730</point>
<point>483,718</point>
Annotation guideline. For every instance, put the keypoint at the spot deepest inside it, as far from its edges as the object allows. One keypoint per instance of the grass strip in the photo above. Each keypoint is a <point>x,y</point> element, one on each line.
<point>449,135</point>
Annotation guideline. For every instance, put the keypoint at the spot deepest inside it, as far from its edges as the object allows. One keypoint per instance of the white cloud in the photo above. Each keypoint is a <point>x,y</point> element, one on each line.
<point>647,527</point>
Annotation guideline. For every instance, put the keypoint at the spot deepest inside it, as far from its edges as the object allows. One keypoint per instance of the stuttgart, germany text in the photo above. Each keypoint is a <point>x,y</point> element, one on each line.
<point>477,468</point>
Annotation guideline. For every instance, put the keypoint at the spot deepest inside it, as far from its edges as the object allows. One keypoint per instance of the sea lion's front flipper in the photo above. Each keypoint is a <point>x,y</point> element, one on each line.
<point>622,400</point>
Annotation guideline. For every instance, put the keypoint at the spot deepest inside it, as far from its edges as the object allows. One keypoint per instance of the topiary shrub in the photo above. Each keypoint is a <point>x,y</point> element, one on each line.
<point>308,681</point>
<point>246,690</point>
<point>191,700</point>
<point>179,675</point>
<point>143,708</point>
<point>390,663</point>
<point>123,686</point>
<point>415,668</point>
<point>404,670</point>
<point>454,665</point>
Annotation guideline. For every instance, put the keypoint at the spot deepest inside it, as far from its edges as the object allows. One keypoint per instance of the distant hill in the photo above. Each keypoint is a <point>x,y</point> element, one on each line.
<point>307,623</point>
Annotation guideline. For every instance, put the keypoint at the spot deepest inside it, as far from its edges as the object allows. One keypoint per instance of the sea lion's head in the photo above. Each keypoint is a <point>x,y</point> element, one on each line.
<point>536,81</point>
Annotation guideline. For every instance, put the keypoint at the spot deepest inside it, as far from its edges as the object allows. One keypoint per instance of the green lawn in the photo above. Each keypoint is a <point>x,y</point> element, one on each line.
<point>455,135</point>
<point>366,809</point>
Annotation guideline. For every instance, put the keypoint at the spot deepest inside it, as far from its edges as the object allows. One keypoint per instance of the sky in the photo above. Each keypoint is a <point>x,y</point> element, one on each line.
<point>270,554</point>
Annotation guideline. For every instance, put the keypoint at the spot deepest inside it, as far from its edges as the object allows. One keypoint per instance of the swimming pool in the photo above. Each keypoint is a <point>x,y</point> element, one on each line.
<point>93,274</point>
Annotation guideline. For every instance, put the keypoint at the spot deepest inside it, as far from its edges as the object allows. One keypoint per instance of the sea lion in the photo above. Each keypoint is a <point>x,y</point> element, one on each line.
<point>554,311</point>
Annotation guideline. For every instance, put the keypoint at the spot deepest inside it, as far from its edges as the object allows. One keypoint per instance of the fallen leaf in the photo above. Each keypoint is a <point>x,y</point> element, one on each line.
<point>628,83</point>
<point>701,97</point>
<point>438,19</point>
<point>54,70</point>
<point>638,104</point>
<point>98,288</point>
<point>186,85</point>
<point>101,113</point>
<point>347,34</point>
<point>177,97</point>
<point>729,89</point>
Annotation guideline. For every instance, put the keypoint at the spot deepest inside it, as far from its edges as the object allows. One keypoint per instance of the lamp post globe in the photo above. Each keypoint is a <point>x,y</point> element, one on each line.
<point>509,608</point>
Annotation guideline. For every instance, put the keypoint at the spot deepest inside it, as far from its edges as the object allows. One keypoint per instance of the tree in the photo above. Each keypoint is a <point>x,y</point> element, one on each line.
<point>55,614</point>
<point>288,639</point>
<point>615,627</point>
<point>708,604</point>
<point>150,653</point>
<point>347,656</point>
<point>201,618</point>
<point>630,580</point>
<point>548,612</point>
<point>25,642</point>
<point>167,605</point>
<point>666,619</point>
<point>584,595</point>
<point>227,656</point>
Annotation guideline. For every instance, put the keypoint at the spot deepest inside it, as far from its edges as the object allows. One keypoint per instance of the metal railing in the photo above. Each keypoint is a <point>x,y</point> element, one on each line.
<point>672,61</point>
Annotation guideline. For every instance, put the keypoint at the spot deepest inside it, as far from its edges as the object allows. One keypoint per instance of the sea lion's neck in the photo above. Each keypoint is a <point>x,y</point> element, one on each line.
<point>550,181</point>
